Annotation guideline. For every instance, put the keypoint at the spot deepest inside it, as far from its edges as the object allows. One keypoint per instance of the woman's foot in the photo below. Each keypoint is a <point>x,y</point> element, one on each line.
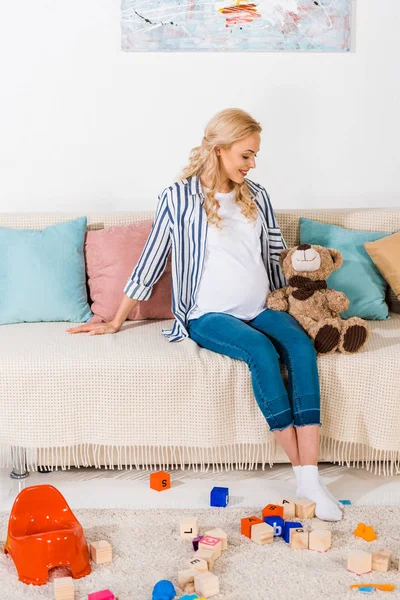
<point>311,487</point>
<point>297,471</point>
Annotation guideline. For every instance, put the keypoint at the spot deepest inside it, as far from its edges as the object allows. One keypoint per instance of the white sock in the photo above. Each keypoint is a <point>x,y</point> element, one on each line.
<point>299,491</point>
<point>325,508</point>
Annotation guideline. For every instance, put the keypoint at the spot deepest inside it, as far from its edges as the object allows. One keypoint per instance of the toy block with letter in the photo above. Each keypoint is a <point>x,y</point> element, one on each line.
<point>189,528</point>
<point>288,526</point>
<point>305,509</point>
<point>101,552</point>
<point>186,579</point>
<point>219,496</point>
<point>64,588</point>
<point>103,595</point>
<point>289,509</point>
<point>359,562</point>
<point>160,481</point>
<point>208,556</point>
<point>299,539</point>
<point>197,563</point>
<point>320,540</point>
<point>219,533</point>
<point>211,543</point>
<point>381,559</point>
<point>246,525</point>
<point>277,523</point>
<point>262,533</point>
<point>272,510</point>
<point>206,584</point>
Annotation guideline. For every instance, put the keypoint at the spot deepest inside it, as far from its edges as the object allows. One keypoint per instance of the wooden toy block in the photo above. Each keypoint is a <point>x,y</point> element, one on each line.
<point>305,509</point>
<point>299,539</point>
<point>160,481</point>
<point>318,524</point>
<point>246,524</point>
<point>101,552</point>
<point>359,562</point>
<point>219,533</point>
<point>197,563</point>
<point>208,556</point>
<point>366,532</point>
<point>262,533</point>
<point>320,540</point>
<point>103,595</point>
<point>206,584</point>
<point>288,527</point>
<point>211,543</point>
<point>381,559</point>
<point>195,542</point>
<point>272,510</point>
<point>289,508</point>
<point>186,579</point>
<point>189,528</point>
<point>277,523</point>
<point>219,496</point>
<point>64,588</point>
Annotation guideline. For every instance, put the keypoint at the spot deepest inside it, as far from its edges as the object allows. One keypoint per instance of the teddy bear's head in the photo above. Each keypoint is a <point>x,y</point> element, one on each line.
<point>313,262</point>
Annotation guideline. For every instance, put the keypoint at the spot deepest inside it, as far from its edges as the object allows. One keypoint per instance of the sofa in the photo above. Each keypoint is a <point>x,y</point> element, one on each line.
<point>134,400</point>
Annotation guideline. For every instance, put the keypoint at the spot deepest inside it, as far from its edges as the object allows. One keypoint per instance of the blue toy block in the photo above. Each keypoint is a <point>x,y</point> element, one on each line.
<point>163,590</point>
<point>219,496</point>
<point>287,527</point>
<point>345,501</point>
<point>277,523</point>
<point>367,589</point>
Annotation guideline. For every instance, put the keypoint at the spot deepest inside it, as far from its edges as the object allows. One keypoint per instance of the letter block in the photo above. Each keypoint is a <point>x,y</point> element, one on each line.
<point>299,539</point>
<point>219,533</point>
<point>219,496</point>
<point>206,584</point>
<point>262,533</point>
<point>305,509</point>
<point>64,588</point>
<point>246,524</point>
<point>288,526</point>
<point>189,528</point>
<point>186,579</point>
<point>101,552</point>
<point>208,556</point>
<point>272,510</point>
<point>320,540</point>
<point>381,559</point>
<point>196,563</point>
<point>289,508</point>
<point>359,562</point>
<point>160,481</point>
<point>103,595</point>
<point>277,523</point>
<point>211,543</point>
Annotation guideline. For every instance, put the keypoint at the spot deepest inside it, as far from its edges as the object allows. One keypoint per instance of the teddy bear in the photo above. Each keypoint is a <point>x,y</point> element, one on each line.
<point>316,307</point>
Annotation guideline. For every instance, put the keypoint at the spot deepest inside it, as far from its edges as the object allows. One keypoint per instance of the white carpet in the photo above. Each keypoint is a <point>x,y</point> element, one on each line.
<point>147,548</point>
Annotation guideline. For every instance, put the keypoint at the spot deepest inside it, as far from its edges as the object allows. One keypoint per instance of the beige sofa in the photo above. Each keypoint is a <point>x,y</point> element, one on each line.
<point>136,400</point>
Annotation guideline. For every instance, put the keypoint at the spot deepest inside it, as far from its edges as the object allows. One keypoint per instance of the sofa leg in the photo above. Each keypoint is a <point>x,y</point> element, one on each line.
<point>19,470</point>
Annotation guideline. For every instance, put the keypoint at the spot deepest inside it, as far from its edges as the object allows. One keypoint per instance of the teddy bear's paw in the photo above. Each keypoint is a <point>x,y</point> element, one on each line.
<point>354,336</point>
<point>327,339</point>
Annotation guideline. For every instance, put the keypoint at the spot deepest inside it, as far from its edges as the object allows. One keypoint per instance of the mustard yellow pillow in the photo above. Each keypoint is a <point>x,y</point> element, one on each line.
<point>385,254</point>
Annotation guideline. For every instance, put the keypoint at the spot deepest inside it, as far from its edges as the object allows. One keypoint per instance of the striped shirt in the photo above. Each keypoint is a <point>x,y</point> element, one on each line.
<point>180,226</point>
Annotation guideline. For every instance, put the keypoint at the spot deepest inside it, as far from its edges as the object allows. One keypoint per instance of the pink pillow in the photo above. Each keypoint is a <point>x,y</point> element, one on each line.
<point>111,255</point>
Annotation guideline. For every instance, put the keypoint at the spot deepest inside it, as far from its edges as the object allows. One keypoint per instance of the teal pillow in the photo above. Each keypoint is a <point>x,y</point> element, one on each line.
<point>43,274</point>
<point>358,277</point>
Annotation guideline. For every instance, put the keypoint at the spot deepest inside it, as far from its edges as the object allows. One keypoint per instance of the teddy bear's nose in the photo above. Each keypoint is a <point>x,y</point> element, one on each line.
<point>304,247</point>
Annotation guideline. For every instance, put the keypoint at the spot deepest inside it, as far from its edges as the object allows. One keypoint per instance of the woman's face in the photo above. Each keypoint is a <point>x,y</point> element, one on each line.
<point>236,162</point>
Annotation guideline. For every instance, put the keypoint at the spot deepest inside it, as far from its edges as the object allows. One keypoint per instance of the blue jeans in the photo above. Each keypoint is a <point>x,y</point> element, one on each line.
<point>260,342</point>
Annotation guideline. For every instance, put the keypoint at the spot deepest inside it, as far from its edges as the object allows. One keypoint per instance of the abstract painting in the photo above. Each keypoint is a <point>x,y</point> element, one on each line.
<point>235,25</point>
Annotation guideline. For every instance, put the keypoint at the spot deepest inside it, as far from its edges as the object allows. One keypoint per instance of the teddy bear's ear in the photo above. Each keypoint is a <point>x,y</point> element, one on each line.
<point>283,255</point>
<point>337,258</point>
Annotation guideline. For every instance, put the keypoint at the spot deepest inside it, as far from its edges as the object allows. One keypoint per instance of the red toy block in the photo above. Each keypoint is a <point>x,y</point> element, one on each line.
<point>103,595</point>
<point>272,510</point>
<point>160,481</point>
<point>246,524</point>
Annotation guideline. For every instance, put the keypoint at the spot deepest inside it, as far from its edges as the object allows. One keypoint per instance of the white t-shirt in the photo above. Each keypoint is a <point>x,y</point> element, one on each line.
<point>234,278</point>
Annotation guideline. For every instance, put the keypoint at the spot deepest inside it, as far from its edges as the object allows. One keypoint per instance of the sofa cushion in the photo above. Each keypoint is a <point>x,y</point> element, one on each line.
<point>358,277</point>
<point>386,256</point>
<point>111,254</point>
<point>133,388</point>
<point>42,274</point>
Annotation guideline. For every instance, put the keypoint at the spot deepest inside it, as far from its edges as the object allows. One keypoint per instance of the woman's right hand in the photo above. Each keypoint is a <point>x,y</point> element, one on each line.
<point>95,328</point>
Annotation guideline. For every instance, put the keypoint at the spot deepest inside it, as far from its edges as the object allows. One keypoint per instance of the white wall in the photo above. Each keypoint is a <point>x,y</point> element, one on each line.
<point>87,127</point>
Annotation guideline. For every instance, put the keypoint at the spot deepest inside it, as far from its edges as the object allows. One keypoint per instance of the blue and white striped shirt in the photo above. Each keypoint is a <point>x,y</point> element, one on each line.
<point>180,225</point>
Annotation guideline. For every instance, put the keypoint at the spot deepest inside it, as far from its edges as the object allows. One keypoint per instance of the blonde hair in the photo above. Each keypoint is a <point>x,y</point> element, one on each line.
<point>225,128</point>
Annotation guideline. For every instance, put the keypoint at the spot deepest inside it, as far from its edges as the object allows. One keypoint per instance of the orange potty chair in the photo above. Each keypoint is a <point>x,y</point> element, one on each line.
<point>43,533</point>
